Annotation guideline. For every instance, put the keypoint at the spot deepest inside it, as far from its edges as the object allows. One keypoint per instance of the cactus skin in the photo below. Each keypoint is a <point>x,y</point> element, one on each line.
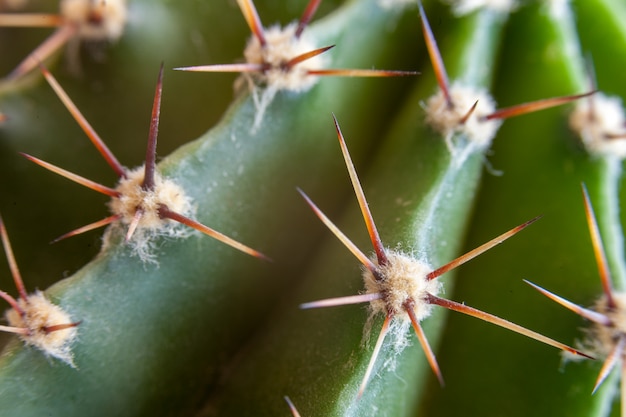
<point>558,254</point>
<point>543,167</point>
<point>420,205</point>
<point>240,187</point>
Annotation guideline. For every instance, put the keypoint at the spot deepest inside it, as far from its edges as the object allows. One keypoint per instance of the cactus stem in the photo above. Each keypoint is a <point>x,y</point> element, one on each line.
<point>465,7</point>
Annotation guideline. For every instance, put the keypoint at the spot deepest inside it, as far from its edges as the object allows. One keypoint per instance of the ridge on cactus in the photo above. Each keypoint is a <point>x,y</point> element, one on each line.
<point>35,320</point>
<point>403,288</point>
<point>78,20</point>
<point>464,7</point>
<point>144,201</point>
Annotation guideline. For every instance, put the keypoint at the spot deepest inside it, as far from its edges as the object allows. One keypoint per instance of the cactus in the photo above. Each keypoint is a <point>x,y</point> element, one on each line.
<point>183,324</point>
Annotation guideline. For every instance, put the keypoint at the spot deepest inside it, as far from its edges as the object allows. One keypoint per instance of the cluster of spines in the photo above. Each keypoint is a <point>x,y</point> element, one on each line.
<point>36,320</point>
<point>281,59</point>
<point>143,200</point>
<point>465,115</point>
<point>607,336</point>
<point>402,287</point>
<point>284,60</point>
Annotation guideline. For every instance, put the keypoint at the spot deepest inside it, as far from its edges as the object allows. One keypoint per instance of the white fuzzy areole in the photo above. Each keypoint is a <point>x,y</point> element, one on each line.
<point>403,278</point>
<point>39,314</point>
<point>133,196</point>
<point>595,120</point>
<point>281,46</point>
<point>109,25</point>
<point>463,7</point>
<point>476,132</point>
<point>602,339</point>
<point>151,225</point>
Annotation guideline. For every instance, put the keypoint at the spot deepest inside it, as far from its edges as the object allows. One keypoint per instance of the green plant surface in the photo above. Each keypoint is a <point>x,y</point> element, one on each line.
<point>168,327</point>
<point>211,331</point>
<point>602,35</point>
<point>421,205</point>
<point>544,166</point>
